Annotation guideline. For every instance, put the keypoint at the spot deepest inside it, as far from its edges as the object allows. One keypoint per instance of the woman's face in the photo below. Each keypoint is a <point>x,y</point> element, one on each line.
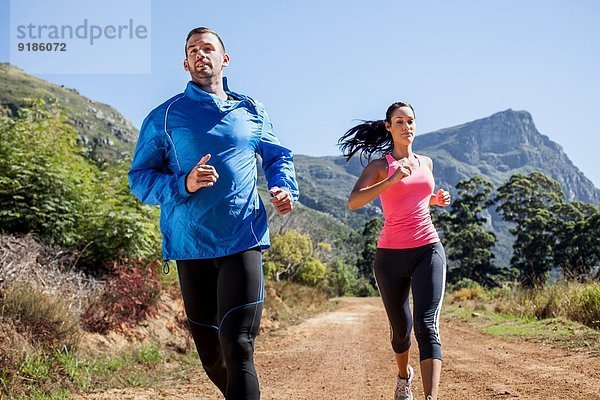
<point>402,125</point>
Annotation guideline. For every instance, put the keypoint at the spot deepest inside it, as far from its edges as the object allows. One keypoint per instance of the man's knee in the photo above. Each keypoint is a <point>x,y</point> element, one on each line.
<point>239,347</point>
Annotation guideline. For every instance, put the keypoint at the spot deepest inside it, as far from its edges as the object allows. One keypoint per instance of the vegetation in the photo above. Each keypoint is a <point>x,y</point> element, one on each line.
<point>558,315</point>
<point>49,188</point>
<point>549,232</point>
<point>131,291</point>
<point>468,242</point>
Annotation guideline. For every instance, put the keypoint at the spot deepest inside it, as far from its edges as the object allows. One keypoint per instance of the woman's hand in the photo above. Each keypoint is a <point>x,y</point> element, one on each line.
<point>402,172</point>
<point>442,198</point>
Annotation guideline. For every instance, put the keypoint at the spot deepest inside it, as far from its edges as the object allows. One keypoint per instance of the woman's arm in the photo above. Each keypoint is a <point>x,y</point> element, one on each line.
<point>372,182</point>
<point>441,198</point>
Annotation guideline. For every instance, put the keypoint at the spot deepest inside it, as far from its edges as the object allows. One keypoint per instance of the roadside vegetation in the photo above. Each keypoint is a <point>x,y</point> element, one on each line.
<point>564,314</point>
<point>84,306</point>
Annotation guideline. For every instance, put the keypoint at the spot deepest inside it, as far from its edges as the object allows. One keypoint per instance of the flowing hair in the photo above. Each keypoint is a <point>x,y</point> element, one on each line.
<point>370,137</point>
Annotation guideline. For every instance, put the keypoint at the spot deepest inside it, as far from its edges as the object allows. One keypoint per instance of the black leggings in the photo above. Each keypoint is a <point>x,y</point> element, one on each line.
<point>223,301</point>
<point>422,269</point>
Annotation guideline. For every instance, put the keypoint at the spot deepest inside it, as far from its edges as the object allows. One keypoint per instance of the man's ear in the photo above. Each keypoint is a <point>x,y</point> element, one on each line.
<point>225,60</point>
<point>186,66</point>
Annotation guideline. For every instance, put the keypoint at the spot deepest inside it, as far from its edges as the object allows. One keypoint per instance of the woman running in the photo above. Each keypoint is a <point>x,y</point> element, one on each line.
<point>409,253</point>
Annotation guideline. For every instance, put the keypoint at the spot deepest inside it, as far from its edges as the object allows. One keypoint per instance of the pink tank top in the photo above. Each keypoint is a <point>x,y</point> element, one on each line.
<point>407,222</point>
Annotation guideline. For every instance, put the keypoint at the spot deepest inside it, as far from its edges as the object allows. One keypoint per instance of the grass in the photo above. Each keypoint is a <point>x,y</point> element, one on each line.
<point>37,394</point>
<point>552,316</point>
<point>54,375</point>
<point>45,318</point>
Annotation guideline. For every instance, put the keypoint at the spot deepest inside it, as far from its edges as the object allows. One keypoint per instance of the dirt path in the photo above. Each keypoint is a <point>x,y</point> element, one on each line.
<point>345,354</point>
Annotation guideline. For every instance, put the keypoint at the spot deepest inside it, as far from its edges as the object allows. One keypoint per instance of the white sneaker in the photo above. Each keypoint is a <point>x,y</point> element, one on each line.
<point>403,391</point>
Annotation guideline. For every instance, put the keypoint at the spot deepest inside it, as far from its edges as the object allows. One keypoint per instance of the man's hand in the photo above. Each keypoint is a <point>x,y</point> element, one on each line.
<point>281,199</point>
<point>201,175</point>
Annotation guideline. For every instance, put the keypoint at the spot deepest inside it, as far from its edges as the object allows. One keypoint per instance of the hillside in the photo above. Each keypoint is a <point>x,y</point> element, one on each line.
<point>102,129</point>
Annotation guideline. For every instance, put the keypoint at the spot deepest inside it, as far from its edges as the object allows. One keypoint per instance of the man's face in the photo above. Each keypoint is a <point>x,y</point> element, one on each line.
<point>205,57</point>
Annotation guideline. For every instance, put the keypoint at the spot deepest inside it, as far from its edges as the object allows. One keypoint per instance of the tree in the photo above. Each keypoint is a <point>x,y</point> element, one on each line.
<point>341,279</point>
<point>465,236</point>
<point>577,251</point>
<point>365,262</point>
<point>530,202</point>
<point>287,253</point>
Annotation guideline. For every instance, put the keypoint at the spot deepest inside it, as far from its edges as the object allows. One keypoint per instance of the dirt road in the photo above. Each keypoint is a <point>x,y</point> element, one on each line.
<point>345,354</point>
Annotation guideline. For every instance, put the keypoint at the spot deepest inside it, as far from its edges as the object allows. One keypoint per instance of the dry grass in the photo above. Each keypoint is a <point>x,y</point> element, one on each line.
<point>575,301</point>
<point>43,317</point>
<point>49,269</point>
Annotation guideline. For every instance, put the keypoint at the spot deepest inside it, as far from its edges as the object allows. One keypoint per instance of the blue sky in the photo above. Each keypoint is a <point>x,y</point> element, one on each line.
<point>320,65</point>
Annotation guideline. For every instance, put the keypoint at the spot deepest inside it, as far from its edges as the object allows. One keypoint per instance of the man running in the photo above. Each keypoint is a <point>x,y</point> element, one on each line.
<point>196,158</point>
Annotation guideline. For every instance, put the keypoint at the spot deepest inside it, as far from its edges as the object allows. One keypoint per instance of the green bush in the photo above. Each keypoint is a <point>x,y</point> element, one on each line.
<point>49,188</point>
<point>363,288</point>
<point>464,283</point>
<point>341,279</point>
<point>311,272</point>
<point>589,306</point>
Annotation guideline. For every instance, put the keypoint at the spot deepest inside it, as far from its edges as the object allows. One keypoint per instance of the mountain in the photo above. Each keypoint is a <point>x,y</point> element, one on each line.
<point>102,130</point>
<point>496,147</point>
<point>499,146</point>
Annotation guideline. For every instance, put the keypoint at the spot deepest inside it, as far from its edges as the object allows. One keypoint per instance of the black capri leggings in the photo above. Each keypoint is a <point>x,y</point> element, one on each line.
<point>223,301</point>
<point>422,269</point>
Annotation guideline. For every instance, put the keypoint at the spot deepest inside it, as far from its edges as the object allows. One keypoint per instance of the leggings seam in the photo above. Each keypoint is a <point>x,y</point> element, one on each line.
<point>237,308</point>
<point>205,325</point>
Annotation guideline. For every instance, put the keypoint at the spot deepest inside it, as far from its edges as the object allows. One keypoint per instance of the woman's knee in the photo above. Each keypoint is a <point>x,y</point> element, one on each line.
<point>400,340</point>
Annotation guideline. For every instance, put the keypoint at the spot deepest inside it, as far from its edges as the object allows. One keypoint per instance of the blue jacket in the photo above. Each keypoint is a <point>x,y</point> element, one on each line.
<point>228,217</point>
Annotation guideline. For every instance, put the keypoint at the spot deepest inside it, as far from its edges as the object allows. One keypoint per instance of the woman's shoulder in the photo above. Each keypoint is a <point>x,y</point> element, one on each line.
<point>376,167</point>
<point>380,164</point>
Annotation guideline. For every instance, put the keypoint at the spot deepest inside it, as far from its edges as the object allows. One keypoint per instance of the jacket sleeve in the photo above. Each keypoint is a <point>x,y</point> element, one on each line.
<point>277,161</point>
<point>149,177</point>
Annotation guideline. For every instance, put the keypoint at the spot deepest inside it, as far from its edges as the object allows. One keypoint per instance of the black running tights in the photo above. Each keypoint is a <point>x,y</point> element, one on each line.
<point>223,300</point>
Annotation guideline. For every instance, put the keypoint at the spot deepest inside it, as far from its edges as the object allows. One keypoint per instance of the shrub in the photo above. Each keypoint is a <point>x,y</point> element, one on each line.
<point>132,289</point>
<point>49,188</point>
<point>464,283</point>
<point>311,272</point>
<point>341,279</point>
<point>474,293</point>
<point>364,288</point>
<point>589,306</point>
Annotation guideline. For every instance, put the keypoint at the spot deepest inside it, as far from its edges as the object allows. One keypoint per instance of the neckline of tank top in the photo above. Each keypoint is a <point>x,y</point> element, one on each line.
<point>418,159</point>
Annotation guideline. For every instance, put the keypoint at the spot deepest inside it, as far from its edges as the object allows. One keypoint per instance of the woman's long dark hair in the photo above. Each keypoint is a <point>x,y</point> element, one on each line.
<point>370,137</point>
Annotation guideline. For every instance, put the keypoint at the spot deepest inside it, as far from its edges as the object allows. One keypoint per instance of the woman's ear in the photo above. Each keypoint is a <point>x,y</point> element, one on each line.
<point>387,125</point>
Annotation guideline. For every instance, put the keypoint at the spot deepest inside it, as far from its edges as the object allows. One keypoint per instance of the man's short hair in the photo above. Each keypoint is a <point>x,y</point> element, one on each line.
<point>199,30</point>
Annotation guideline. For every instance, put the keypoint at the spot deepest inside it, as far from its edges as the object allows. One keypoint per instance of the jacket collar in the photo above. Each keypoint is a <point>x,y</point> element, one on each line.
<point>194,92</point>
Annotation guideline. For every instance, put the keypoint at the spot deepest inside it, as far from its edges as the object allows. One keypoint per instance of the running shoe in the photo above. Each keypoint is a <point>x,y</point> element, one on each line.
<point>403,391</point>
